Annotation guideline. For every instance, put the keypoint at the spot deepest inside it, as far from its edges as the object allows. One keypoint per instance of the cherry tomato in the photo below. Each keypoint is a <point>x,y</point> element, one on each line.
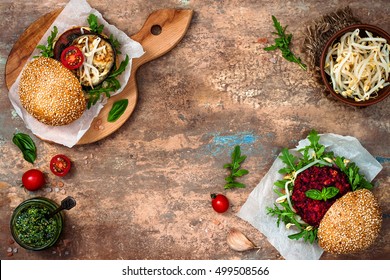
<point>72,57</point>
<point>60,165</point>
<point>219,202</point>
<point>33,179</point>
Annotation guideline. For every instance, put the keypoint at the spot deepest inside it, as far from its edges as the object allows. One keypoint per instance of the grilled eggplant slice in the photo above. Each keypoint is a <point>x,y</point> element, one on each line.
<point>66,39</point>
<point>99,59</point>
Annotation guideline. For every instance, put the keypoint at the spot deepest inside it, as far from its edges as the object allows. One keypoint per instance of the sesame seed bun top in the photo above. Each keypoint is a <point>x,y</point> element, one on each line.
<point>51,93</point>
<point>351,224</point>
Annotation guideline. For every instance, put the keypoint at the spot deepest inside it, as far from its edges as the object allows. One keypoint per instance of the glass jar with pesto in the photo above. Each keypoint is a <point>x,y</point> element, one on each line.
<point>30,226</point>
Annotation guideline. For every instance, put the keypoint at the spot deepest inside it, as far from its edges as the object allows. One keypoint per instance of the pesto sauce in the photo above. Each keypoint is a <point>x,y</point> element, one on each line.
<point>33,228</point>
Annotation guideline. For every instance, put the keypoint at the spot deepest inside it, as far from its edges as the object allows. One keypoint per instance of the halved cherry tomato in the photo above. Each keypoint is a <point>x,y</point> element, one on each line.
<point>72,57</point>
<point>60,165</point>
<point>33,179</point>
<point>219,202</point>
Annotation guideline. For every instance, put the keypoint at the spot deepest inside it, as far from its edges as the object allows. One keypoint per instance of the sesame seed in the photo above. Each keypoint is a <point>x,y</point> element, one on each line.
<point>351,224</point>
<point>51,93</point>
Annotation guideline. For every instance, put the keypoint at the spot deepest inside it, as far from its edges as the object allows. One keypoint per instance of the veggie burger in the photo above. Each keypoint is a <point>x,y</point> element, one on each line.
<point>324,198</point>
<point>53,87</point>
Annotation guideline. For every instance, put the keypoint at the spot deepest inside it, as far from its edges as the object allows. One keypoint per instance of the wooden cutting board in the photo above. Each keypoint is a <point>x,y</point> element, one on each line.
<point>161,32</point>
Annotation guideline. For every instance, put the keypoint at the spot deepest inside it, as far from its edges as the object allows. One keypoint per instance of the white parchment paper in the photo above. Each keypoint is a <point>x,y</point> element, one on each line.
<point>254,209</point>
<point>75,13</point>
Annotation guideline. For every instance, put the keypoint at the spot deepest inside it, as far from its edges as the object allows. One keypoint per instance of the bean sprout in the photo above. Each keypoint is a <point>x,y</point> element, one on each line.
<point>358,67</point>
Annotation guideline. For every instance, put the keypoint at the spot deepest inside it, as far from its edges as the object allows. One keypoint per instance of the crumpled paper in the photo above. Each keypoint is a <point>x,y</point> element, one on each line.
<point>75,13</point>
<point>254,209</point>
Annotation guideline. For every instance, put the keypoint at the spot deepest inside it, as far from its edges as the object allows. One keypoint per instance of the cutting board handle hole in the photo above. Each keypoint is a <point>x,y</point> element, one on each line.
<point>156,29</point>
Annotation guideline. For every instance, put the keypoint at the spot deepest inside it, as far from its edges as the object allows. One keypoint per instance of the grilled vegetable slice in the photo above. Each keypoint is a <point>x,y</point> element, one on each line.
<point>99,59</point>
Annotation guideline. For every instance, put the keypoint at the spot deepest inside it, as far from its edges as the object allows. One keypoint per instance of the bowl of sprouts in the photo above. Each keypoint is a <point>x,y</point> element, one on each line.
<point>355,65</point>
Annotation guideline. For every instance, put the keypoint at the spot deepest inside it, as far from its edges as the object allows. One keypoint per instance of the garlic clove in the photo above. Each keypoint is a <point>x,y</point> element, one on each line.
<point>238,241</point>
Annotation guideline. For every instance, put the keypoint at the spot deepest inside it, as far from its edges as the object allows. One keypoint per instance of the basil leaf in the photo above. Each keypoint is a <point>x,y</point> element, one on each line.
<point>118,108</point>
<point>324,194</point>
<point>29,156</point>
<point>330,192</point>
<point>314,194</point>
<point>26,145</point>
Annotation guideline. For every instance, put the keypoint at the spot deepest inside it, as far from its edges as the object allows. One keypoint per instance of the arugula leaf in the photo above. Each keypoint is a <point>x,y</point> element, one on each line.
<point>94,25</point>
<point>235,170</point>
<point>234,185</point>
<point>314,138</point>
<point>283,43</point>
<point>240,173</point>
<point>109,85</point>
<point>26,145</point>
<point>48,50</point>
<point>115,43</point>
<point>289,160</point>
<point>355,179</point>
<point>307,235</point>
<point>117,109</point>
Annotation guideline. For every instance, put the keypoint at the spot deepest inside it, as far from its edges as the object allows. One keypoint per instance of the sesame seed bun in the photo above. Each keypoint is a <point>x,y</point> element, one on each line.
<point>351,224</point>
<point>51,93</point>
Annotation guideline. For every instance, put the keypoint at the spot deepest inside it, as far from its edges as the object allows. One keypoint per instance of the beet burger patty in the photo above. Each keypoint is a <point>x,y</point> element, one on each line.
<point>310,210</point>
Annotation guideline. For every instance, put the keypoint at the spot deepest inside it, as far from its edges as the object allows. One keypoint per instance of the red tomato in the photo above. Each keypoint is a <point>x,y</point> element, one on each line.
<point>60,165</point>
<point>219,202</point>
<point>72,57</point>
<point>33,179</point>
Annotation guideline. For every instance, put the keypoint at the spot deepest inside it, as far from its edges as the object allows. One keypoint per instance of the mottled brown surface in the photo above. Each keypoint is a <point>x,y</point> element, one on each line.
<point>143,192</point>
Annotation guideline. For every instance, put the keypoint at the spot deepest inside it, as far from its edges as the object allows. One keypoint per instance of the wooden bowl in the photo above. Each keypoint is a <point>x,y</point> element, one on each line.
<point>376,31</point>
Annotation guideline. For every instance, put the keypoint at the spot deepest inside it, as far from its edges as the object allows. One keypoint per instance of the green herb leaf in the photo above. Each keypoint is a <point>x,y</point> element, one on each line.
<point>314,138</point>
<point>234,185</point>
<point>330,192</point>
<point>283,43</point>
<point>115,43</point>
<point>240,173</point>
<point>235,170</point>
<point>26,145</point>
<point>94,25</point>
<point>325,194</point>
<point>111,84</point>
<point>307,235</point>
<point>48,50</point>
<point>227,165</point>
<point>289,160</point>
<point>229,179</point>
<point>121,68</point>
<point>314,194</point>
<point>118,108</point>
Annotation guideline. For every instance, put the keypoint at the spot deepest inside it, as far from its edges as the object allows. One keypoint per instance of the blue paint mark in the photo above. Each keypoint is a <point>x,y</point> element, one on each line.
<point>382,159</point>
<point>234,139</point>
<point>222,143</point>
